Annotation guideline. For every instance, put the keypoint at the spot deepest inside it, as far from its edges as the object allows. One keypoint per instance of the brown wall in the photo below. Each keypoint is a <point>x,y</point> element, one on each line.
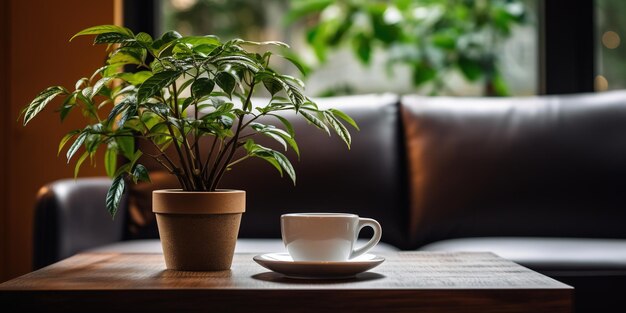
<point>36,54</point>
<point>4,120</point>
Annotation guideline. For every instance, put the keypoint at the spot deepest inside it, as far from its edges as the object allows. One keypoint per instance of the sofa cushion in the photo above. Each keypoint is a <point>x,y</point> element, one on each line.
<point>368,179</point>
<point>558,256</point>
<point>550,166</point>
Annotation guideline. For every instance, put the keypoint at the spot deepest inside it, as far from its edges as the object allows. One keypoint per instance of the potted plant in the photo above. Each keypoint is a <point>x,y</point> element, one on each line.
<point>184,93</point>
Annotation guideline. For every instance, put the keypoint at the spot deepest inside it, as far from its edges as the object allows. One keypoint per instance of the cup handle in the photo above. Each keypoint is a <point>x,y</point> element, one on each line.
<point>365,222</point>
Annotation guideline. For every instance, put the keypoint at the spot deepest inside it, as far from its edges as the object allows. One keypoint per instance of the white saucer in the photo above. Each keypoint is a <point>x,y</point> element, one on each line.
<point>284,264</point>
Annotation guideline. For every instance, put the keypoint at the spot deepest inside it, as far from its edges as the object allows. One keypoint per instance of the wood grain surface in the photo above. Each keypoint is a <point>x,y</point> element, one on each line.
<point>405,282</point>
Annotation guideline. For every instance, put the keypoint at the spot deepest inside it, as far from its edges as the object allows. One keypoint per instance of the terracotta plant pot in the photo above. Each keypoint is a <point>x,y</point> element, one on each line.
<point>198,230</point>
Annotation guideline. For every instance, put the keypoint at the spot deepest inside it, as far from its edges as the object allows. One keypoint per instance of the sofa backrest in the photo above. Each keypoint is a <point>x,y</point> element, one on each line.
<point>367,180</point>
<point>536,166</point>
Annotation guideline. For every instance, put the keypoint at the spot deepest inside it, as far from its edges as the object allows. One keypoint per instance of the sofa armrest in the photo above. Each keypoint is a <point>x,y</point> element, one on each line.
<point>70,216</point>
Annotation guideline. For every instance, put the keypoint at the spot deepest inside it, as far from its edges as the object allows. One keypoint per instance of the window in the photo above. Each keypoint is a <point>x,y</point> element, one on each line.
<point>470,48</point>
<point>610,50</point>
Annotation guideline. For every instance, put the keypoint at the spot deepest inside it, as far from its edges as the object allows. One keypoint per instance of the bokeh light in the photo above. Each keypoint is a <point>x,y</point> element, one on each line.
<point>611,39</point>
<point>600,83</point>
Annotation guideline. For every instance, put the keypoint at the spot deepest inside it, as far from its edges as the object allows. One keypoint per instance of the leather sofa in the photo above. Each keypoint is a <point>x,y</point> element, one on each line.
<point>538,180</point>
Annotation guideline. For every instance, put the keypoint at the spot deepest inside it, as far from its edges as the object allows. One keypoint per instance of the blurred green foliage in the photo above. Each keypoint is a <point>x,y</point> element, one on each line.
<point>226,18</point>
<point>432,37</point>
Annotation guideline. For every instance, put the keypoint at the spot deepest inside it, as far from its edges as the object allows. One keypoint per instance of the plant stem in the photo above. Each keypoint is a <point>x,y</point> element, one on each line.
<point>156,158</point>
<point>238,160</point>
<point>216,162</point>
<point>186,178</point>
<point>196,139</point>
<point>175,100</point>
<point>193,177</point>
<point>233,142</point>
<point>208,158</point>
<point>189,184</point>
<point>174,169</point>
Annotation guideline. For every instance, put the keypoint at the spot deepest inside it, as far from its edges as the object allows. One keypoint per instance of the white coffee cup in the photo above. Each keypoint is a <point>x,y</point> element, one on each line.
<point>326,236</point>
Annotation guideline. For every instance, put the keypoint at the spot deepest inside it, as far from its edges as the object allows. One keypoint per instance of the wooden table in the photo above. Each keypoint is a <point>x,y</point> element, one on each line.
<point>405,282</point>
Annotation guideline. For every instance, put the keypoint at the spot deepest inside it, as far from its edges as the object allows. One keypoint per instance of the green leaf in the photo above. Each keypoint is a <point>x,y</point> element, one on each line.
<point>315,36</point>
<point>238,61</point>
<point>277,134</point>
<point>79,163</point>
<point>65,139</point>
<point>499,85</point>
<point>124,169</point>
<point>271,160</point>
<point>287,124</point>
<point>300,9</point>
<point>81,82</point>
<point>315,121</point>
<point>276,137</point>
<point>387,33</point>
<point>170,36</point>
<point>140,173</point>
<point>160,134</point>
<point>126,144</point>
<point>112,69</point>
<point>117,109</point>
<point>99,84</point>
<point>155,83</point>
<point>68,105</point>
<point>144,38</point>
<point>137,78</point>
<point>272,85</point>
<point>344,117</point>
<point>130,112</point>
<point>263,153</point>
<point>150,119</point>
<point>286,137</point>
<point>305,70</point>
<point>226,81</point>
<point>294,94</point>
<point>86,93</point>
<point>120,90</point>
<point>267,130</point>
<point>114,195</point>
<point>91,142</point>
<point>341,130</point>
<point>285,164</point>
<point>262,43</point>
<point>109,38</point>
<point>185,84</point>
<point>159,108</point>
<point>471,69</point>
<point>40,102</point>
<point>296,80</point>
<point>182,49</point>
<point>197,41</point>
<point>204,49</point>
<point>102,29</point>
<point>445,40</point>
<point>127,55</point>
<point>202,87</point>
<point>362,45</point>
<point>75,146</point>
<point>157,67</point>
<point>110,161</point>
<point>423,73</point>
